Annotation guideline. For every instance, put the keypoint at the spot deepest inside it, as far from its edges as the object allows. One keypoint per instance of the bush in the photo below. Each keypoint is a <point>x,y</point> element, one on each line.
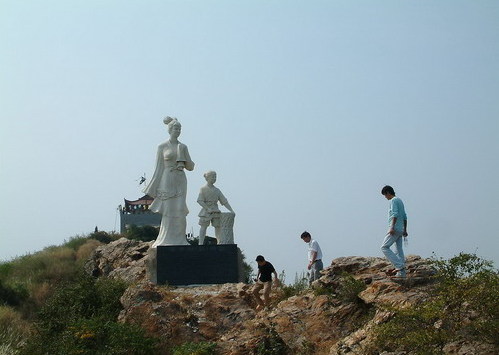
<point>247,270</point>
<point>104,237</point>
<point>84,297</point>
<point>75,242</point>
<point>300,284</point>
<point>34,276</point>
<point>85,250</point>
<point>13,331</point>
<point>464,305</point>
<point>80,318</point>
<point>349,288</point>
<point>272,344</point>
<point>144,233</point>
<point>52,264</point>
<point>202,348</point>
<point>94,336</point>
<point>12,295</point>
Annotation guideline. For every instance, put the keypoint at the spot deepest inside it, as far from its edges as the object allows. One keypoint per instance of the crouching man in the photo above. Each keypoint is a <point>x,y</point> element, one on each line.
<point>264,280</point>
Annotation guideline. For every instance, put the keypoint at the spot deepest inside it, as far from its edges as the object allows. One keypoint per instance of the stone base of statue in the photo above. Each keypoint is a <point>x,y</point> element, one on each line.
<point>180,265</point>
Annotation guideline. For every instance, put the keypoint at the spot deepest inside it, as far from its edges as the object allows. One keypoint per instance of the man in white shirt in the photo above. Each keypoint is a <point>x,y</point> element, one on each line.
<point>314,257</point>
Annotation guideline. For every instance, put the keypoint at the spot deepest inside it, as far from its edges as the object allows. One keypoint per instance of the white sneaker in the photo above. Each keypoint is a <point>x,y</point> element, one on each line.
<point>401,273</point>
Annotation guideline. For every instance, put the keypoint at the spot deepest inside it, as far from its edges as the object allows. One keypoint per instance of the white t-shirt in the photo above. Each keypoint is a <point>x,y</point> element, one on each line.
<point>314,246</point>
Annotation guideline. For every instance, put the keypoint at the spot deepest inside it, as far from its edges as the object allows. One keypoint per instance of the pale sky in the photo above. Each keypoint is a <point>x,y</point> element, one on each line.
<point>304,108</point>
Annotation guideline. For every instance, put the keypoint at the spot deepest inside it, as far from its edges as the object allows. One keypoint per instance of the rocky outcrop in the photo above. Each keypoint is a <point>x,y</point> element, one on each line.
<point>124,258</point>
<point>321,320</point>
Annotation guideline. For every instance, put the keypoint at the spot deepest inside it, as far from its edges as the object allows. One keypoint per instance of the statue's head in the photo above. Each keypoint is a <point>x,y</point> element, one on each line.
<point>174,126</point>
<point>210,176</point>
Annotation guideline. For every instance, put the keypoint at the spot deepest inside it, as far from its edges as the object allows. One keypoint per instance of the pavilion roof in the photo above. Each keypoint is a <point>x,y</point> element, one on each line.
<point>144,200</point>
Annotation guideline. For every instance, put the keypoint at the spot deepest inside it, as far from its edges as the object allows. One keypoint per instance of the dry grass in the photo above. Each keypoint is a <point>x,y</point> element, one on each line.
<point>13,331</point>
<point>85,250</point>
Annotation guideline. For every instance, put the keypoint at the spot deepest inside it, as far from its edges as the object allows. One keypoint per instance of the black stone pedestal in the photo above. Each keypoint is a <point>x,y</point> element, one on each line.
<point>197,264</point>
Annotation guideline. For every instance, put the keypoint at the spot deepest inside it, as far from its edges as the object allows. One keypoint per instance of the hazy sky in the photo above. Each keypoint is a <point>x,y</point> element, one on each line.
<point>304,108</point>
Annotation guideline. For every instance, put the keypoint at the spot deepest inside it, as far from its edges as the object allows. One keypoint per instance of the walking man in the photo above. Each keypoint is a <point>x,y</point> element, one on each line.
<point>397,230</point>
<point>264,280</point>
<point>314,257</point>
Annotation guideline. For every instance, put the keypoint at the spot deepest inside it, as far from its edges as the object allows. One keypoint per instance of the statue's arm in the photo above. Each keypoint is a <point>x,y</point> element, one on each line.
<point>186,158</point>
<point>228,206</point>
<point>223,200</point>
<point>202,202</point>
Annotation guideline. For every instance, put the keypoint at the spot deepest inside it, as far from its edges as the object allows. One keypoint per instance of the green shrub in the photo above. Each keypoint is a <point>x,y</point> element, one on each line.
<point>349,288</point>
<point>80,318</point>
<point>12,295</point>
<point>307,348</point>
<point>84,297</point>
<point>53,264</point>
<point>143,233</point>
<point>75,242</point>
<point>464,305</point>
<point>247,270</point>
<point>94,336</point>
<point>5,269</point>
<point>104,237</point>
<point>300,284</point>
<point>34,276</point>
<point>202,348</point>
<point>460,267</point>
<point>272,344</point>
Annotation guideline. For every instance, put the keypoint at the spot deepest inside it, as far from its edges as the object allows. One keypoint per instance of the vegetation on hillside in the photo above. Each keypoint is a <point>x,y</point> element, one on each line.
<point>463,307</point>
<point>49,306</point>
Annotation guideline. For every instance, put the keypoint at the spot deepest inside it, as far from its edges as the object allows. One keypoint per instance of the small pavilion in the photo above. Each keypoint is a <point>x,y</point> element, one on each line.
<point>138,213</point>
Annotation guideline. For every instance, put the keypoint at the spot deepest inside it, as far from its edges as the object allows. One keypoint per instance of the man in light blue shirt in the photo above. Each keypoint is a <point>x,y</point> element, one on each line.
<point>397,230</point>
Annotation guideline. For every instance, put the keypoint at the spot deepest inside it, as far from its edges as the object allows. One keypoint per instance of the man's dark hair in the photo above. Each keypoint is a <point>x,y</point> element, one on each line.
<point>387,190</point>
<point>305,235</point>
<point>260,258</point>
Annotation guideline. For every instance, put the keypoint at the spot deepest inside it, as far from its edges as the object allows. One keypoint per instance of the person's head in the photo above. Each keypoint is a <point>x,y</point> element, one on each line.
<point>306,237</point>
<point>388,192</point>
<point>210,176</point>
<point>174,126</point>
<point>260,260</point>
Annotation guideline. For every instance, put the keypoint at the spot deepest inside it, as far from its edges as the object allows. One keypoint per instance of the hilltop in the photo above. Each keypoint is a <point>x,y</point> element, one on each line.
<point>341,314</point>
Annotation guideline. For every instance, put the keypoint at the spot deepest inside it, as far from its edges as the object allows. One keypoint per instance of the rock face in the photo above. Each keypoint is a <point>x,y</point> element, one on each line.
<point>123,258</point>
<point>322,320</point>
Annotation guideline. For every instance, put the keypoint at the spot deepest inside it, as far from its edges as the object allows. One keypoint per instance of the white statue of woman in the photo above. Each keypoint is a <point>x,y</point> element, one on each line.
<point>168,186</point>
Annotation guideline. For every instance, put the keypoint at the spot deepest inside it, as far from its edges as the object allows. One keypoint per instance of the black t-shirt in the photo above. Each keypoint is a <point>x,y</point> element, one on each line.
<point>266,271</point>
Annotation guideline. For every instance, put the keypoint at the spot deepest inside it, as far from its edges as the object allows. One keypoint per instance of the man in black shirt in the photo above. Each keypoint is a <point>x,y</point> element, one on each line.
<point>264,280</point>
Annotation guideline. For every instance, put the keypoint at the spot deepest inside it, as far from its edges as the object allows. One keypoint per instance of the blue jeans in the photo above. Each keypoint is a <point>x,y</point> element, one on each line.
<point>397,259</point>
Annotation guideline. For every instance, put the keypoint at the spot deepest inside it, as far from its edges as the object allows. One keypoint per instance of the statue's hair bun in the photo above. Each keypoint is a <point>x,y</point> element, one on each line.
<point>168,119</point>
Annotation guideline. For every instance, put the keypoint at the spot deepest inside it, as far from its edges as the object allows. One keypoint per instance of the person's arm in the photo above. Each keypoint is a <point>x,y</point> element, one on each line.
<point>312,261</point>
<point>395,212</point>
<point>405,228</point>
<point>392,225</point>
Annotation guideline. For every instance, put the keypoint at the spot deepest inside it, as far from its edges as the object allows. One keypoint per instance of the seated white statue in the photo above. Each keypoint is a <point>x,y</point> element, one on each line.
<point>208,198</point>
